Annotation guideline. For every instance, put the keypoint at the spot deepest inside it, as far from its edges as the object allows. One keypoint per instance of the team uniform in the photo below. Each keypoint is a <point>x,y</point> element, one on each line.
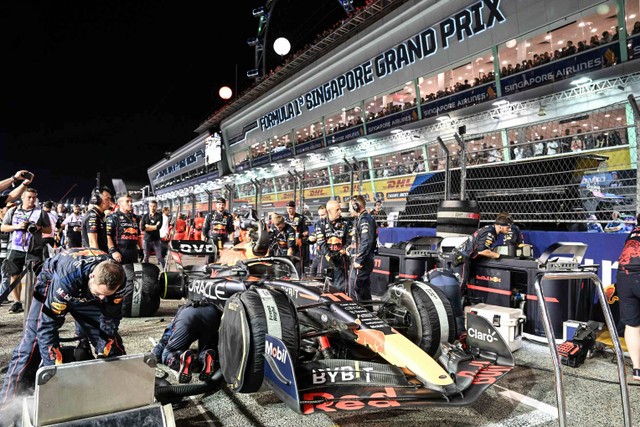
<point>124,229</point>
<point>332,243</point>
<point>62,288</point>
<point>281,241</point>
<point>217,227</point>
<point>196,320</point>
<point>364,244</point>
<point>94,222</point>
<point>299,225</point>
<point>483,238</point>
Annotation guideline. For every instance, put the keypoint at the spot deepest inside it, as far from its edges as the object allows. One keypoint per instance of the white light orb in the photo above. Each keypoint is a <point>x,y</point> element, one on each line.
<point>281,46</point>
<point>512,43</point>
<point>225,92</point>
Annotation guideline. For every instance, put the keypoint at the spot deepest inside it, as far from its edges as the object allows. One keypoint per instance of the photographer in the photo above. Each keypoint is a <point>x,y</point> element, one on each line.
<point>18,187</point>
<point>26,224</point>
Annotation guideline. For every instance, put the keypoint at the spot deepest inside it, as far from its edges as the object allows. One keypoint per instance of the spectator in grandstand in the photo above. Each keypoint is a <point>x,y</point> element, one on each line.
<point>552,147</point>
<point>72,228</point>
<point>565,143</point>
<point>629,222</point>
<point>628,287</point>
<point>577,144</point>
<point>539,147</point>
<point>494,155</point>
<point>616,225</point>
<point>636,28</point>
<point>593,226</point>
<point>615,180</point>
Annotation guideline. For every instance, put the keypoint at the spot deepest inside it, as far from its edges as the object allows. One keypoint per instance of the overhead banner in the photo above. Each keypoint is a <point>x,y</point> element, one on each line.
<point>588,60</point>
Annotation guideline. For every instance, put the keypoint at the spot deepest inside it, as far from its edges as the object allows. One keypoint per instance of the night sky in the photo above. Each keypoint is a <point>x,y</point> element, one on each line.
<point>108,86</point>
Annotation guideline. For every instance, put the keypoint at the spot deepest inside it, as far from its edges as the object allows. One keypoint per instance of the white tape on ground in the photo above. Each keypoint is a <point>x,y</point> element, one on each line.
<point>540,406</point>
<point>532,419</point>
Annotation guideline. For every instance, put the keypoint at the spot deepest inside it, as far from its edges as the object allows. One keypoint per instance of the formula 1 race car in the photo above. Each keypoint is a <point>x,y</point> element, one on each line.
<point>320,351</point>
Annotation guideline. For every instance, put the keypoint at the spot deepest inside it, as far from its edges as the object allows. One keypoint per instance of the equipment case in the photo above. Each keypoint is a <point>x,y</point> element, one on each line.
<point>508,321</point>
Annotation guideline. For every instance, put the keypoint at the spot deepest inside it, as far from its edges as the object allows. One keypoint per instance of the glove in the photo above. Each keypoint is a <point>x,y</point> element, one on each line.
<point>112,347</point>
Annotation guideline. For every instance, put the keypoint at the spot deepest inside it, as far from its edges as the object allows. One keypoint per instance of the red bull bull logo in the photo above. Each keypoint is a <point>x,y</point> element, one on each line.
<point>609,292</point>
<point>55,355</point>
<point>107,348</point>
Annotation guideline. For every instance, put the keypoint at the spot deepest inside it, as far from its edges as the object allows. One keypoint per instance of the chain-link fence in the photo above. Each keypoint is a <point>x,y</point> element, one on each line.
<point>549,174</point>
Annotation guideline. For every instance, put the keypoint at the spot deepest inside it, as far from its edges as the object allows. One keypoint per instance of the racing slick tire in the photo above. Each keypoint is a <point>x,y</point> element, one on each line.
<point>243,327</point>
<point>142,291</point>
<point>431,320</point>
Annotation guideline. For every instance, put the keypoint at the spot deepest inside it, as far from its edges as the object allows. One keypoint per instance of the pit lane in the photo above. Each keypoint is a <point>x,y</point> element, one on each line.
<point>525,397</point>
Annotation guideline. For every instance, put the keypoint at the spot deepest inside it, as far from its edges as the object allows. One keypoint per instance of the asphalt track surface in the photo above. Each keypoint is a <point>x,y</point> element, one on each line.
<point>525,397</point>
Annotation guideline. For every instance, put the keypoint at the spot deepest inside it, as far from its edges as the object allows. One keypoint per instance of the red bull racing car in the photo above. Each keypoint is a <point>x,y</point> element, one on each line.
<point>320,351</point>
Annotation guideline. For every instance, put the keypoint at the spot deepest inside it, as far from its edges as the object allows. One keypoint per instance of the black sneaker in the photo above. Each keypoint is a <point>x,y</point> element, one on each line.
<point>184,372</point>
<point>16,307</point>
<point>208,368</point>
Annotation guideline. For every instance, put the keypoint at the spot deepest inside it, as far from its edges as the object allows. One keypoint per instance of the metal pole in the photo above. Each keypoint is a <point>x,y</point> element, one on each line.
<point>28,291</point>
<point>447,173</point>
<point>548,329</point>
<point>350,176</point>
<point>463,166</point>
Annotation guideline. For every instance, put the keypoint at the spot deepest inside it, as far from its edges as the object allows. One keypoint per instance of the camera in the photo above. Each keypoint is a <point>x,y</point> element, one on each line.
<point>26,176</point>
<point>32,228</point>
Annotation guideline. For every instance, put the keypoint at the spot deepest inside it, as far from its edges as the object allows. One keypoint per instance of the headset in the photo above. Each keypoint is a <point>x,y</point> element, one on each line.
<point>355,204</point>
<point>96,195</point>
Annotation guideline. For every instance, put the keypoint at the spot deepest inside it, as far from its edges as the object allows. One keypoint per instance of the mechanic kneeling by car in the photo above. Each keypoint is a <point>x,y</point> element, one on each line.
<point>196,320</point>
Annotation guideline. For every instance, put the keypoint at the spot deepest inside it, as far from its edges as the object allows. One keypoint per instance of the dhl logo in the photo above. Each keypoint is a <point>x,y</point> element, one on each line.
<point>399,183</point>
<point>316,192</point>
